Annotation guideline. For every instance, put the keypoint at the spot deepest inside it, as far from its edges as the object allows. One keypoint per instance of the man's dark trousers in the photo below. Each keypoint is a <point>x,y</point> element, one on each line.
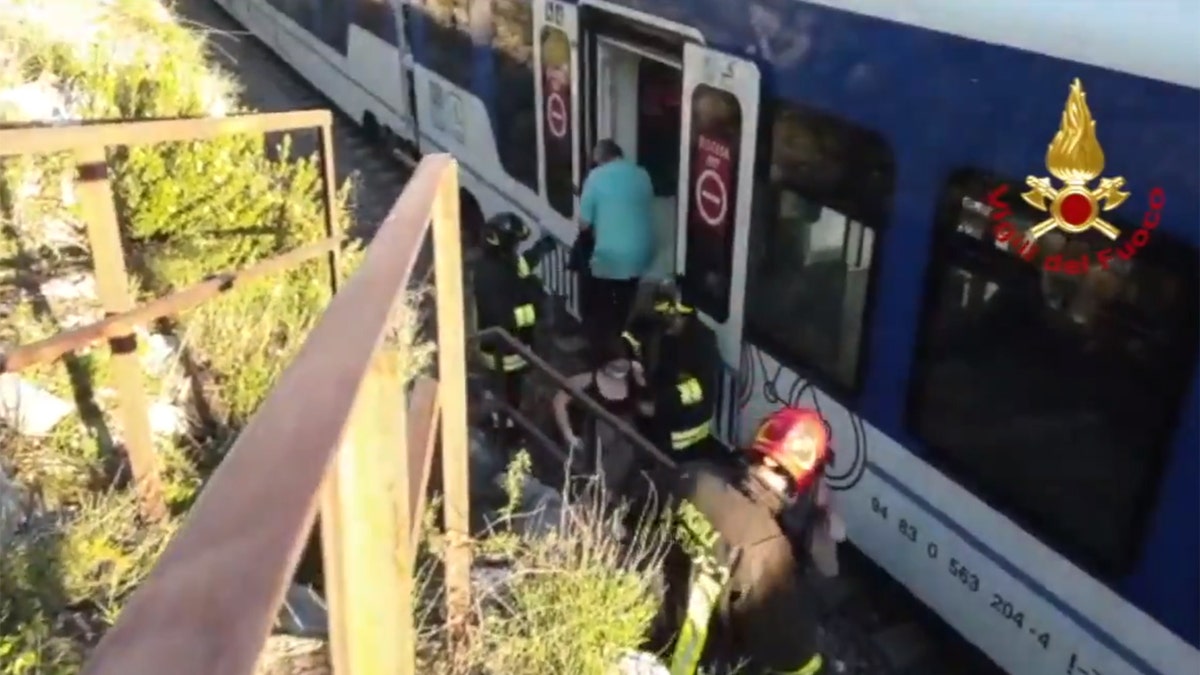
<point>606,304</point>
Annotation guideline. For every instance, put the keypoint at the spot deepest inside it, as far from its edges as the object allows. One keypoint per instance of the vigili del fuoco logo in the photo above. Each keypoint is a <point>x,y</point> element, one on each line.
<point>1075,206</point>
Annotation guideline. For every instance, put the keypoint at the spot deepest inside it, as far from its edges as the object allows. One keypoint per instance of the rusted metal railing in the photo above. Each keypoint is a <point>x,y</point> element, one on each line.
<point>89,142</point>
<point>335,418</point>
<point>340,432</point>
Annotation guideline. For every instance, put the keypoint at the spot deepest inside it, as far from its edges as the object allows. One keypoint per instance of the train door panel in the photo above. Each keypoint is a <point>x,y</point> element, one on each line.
<point>556,52</point>
<point>720,126</point>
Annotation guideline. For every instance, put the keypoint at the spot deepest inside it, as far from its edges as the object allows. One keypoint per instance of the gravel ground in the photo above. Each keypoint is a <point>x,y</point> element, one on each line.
<point>871,626</point>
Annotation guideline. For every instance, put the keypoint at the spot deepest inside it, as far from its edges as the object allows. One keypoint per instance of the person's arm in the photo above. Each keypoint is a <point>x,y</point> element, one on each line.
<point>639,373</point>
<point>560,402</point>
<point>534,254</point>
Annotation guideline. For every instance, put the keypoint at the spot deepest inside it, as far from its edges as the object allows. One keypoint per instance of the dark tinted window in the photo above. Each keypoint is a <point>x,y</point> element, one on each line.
<point>659,124</point>
<point>715,148</point>
<point>327,21</point>
<point>447,47</point>
<point>1053,394</point>
<point>556,114</point>
<point>514,117</point>
<point>813,242</point>
<point>376,16</point>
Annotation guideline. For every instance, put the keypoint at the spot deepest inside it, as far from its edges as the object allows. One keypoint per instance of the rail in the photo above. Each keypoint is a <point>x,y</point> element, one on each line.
<point>340,432</point>
<point>593,407</point>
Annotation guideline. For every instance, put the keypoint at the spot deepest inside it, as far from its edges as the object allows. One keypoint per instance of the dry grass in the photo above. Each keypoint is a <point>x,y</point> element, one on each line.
<point>570,602</point>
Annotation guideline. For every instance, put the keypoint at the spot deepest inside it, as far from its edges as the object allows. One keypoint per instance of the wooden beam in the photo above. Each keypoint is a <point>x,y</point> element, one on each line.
<point>365,524</point>
<point>94,190</point>
<point>452,378</point>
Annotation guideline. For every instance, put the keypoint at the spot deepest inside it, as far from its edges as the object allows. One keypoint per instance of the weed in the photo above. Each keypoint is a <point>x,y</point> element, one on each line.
<point>569,602</point>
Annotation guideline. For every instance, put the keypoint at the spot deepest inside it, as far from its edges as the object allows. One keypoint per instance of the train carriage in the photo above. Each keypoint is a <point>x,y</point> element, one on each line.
<point>851,191</point>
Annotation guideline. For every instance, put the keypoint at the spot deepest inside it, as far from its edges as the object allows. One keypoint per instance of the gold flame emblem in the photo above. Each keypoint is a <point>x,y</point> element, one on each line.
<point>1075,158</point>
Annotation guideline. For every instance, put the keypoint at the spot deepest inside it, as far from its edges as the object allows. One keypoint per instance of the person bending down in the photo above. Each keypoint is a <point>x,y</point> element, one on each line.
<point>605,452</point>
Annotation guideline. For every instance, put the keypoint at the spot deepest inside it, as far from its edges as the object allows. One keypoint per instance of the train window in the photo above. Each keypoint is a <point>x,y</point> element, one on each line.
<point>329,22</point>
<point>514,116</point>
<point>812,242</point>
<point>559,167</point>
<point>1051,387</point>
<point>715,148</point>
<point>378,18</point>
<point>448,48</point>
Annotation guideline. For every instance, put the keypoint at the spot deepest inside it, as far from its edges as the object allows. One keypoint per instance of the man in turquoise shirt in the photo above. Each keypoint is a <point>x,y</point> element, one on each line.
<point>617,204</point>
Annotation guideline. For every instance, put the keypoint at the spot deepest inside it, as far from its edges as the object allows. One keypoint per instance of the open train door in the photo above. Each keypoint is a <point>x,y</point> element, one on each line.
<point>716,183</point>
<point>556,51</point>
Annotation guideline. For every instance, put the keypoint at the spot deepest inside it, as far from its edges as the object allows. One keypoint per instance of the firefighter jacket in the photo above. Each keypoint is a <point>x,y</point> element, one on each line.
<point>506,295</point>
<point>667,358</point>
<point>734,595</point>
<point>682,417</point>
<point>679,379</point>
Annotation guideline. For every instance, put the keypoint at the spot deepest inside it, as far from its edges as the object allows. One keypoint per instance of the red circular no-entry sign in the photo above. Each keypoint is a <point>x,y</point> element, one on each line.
<point>556,114</point>
<point>712,197</point>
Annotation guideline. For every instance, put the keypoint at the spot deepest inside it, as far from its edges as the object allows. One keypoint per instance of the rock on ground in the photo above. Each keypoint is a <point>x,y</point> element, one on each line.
<point>29,409</point>
<point>287,655</point>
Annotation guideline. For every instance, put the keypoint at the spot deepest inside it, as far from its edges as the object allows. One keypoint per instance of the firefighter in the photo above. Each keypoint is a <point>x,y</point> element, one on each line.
<point>678,356</point>
<point>733,595</point>
<point>507,295</point>
<point>671,338</point>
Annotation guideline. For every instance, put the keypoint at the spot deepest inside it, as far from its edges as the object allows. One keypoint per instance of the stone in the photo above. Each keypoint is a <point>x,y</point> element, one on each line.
<point>73,300</point>
<point>289,655</point>
<point>29,409</point>
<point>638,663</point>
<point>32,101</point>
<point>167,419</point>
<point>159,353</point>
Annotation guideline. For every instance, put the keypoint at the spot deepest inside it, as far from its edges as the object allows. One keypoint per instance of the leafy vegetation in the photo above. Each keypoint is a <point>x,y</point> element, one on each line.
<point>187,210</point>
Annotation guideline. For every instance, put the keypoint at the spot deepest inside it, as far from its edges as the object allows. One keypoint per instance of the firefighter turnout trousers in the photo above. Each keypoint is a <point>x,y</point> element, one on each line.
<point>504,298</point>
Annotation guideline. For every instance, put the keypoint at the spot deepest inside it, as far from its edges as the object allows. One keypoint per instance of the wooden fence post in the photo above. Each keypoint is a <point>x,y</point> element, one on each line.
<point>94,191</point>
<point>452,381</point>
<point>365,520</point>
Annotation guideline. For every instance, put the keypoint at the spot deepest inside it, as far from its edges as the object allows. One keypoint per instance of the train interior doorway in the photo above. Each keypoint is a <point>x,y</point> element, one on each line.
<point>637,102</point>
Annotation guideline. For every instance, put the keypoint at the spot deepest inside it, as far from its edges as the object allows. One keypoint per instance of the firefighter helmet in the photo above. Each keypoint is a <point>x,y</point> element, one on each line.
<point>667,300</point>
<point>795,440</point>
<point>505,230</point>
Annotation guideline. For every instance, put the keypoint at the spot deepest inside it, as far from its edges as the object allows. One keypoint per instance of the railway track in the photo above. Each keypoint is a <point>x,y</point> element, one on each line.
<point>269,85</point>
<point>871,627</point>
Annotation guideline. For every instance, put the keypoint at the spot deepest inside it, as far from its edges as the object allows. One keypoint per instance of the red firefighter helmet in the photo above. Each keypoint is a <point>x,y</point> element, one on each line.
<point>796,440</point>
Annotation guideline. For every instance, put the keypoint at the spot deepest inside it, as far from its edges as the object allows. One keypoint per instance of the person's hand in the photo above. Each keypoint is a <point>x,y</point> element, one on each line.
<point>545,245</point>
<point>574,443</point>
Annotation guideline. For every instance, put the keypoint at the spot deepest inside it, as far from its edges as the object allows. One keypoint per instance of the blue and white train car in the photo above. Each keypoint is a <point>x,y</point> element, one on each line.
<point>840,183</point>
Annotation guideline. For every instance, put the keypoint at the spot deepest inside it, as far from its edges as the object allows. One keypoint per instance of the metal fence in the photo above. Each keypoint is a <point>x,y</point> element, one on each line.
<point>340,431</point>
